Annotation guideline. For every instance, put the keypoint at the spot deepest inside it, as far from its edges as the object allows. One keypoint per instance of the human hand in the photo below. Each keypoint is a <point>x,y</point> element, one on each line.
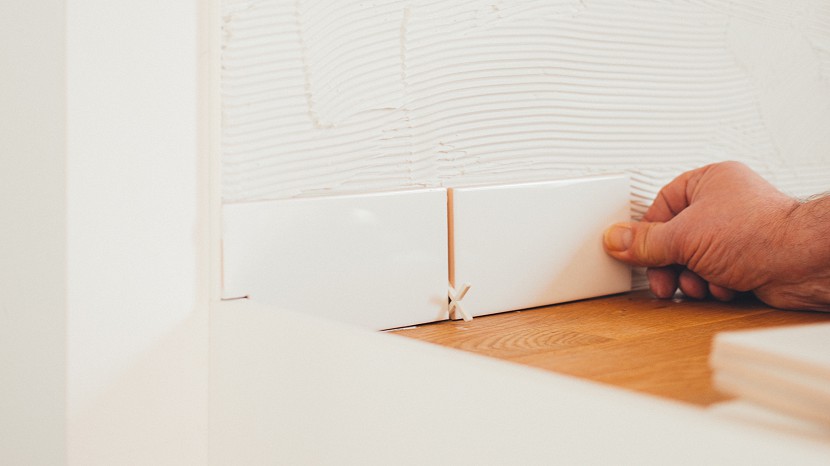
<point>721,229</point>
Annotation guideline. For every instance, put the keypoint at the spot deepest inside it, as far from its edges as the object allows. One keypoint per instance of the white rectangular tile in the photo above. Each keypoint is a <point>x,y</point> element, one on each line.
<point>759,416</point>
<point>375,260</point>
<point>786,369</point>
<point>526,245</point>
<point>781,390</point>
<point>800,347</point>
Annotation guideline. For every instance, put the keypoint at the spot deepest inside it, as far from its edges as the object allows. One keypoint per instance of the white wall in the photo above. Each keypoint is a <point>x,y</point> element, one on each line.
<point>329,97</point>
<point>137,194</point>
<point>33,233</point>
<point>104,249</point>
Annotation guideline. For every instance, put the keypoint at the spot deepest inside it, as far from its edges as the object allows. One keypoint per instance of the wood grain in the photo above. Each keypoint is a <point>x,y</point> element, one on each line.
<point>634,341</point>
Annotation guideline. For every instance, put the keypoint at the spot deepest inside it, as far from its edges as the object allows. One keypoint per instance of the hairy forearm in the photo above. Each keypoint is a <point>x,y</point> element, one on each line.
<point>802,270</point>
<point>809,233</point>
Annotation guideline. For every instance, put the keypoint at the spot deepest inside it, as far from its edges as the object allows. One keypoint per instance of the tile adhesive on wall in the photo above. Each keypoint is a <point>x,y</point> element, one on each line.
<point>331,97</point>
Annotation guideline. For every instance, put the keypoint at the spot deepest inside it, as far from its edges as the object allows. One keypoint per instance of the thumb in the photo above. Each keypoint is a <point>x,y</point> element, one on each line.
<point>646,244</point>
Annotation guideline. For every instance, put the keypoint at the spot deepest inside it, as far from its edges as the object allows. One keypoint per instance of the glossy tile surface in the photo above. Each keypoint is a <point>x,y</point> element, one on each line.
<point>375,260</point>
<point>527,245</point>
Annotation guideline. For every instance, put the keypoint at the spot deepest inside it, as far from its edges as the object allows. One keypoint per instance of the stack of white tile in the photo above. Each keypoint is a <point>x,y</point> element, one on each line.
<point>785,369</point>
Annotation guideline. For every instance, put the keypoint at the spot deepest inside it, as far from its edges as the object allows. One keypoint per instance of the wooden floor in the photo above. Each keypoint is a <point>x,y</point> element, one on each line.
<point>632,340</point>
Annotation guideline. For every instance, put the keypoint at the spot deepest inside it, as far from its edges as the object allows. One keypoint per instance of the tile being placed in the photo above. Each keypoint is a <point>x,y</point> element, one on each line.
<point>527,245</point>
<point>377,260</point>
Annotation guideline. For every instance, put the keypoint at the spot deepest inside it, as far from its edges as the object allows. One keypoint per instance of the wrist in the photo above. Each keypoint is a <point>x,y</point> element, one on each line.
<point>807,233</point>
<point>799,273</point>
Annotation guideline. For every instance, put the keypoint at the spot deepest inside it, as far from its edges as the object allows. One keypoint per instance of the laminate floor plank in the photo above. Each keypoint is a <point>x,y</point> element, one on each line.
<point>633,341</point>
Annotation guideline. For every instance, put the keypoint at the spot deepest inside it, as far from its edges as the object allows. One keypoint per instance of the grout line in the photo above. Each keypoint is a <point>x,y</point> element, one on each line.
<point>450,237</point>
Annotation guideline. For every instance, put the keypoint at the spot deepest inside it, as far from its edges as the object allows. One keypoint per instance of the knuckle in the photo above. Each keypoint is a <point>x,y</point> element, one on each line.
<point>732,165</point>
<point>653,246</point>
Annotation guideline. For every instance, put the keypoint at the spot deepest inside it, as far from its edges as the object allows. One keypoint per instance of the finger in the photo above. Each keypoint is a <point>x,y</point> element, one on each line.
<point>662,281</point>
<point>670,200</point>
<point>720,293</point>
<point>642,243</point>
<point>692,285</point>
<point>674,197</point>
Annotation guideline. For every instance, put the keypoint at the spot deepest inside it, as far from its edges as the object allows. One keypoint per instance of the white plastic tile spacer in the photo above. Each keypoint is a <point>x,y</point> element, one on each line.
<point>455,301</point>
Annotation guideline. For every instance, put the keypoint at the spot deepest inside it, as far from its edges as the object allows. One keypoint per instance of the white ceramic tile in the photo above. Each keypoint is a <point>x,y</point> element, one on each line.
<point>375,260</point>
<point>801,347</point>
<point>786,369</point>
<point>776,390</point>
<point>759,416</point>
<point>533,244</point>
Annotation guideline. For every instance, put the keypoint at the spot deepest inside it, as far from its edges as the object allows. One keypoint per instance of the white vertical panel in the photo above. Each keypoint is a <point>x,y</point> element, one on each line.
<point>526,245</point>
<point>137,269</point>
<point>33,233</point>
<point>377,260</point>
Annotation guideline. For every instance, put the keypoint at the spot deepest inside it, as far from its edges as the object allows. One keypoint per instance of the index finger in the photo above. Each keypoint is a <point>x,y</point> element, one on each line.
<point>673,198</point>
